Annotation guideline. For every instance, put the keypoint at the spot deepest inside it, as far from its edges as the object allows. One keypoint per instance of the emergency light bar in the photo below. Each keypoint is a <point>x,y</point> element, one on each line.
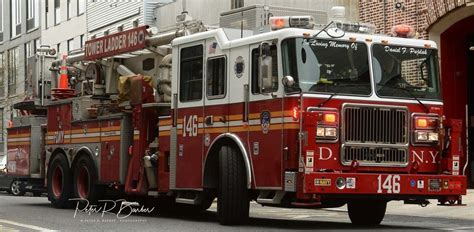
<point>364,28</point>
<point>306,22</point>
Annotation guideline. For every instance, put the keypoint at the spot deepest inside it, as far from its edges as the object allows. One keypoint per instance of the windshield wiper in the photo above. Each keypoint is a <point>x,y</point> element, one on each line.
<point>409,92</point>
<point>335,92</point>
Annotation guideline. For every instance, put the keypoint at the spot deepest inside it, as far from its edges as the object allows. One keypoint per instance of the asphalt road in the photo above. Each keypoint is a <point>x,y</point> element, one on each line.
<point>35,213</point>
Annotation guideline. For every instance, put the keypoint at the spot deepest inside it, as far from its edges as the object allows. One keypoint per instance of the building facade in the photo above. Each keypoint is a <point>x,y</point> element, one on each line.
<point>63,24</point>
<point>450,24</point>
<point>20,33</point>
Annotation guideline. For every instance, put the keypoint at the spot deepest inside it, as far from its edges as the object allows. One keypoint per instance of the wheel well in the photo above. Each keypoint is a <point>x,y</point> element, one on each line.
<point>80,154</point>
<point>211,166</point>
<point>57,152</point>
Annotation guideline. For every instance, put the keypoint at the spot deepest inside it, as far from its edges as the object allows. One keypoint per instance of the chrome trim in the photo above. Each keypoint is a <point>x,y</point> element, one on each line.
<point>401,145</point>
<point>173,149</point>
<point>375,164</point>
<point>412,129</point>
<point>244,153</point>
<point>337,126</point>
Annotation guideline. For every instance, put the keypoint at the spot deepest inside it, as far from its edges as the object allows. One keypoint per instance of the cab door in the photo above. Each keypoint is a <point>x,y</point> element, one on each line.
<point>216,103</point>
<point>265,116</point>
<point>190,114</point>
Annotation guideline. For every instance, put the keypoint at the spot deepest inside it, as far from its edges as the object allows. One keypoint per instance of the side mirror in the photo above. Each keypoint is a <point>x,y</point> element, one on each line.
<point>288,81</point>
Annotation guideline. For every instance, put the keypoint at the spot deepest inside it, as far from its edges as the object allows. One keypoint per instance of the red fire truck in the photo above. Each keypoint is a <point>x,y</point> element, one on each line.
<point>289,117</point>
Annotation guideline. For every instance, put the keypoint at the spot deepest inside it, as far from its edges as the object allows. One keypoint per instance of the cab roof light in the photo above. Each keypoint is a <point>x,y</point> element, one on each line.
<point>355,27</point>
<point>281,22</point>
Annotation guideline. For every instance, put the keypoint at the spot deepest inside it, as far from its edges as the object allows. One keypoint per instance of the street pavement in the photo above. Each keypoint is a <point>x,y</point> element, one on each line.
<point>35,214</point>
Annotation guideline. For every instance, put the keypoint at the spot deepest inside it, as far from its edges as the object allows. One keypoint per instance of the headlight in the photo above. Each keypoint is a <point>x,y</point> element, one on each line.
<point>320,132</point>
<point>330,132</point>
<point>433,137</point>
<point>425,128</point>
<point>422,136</point>
<point>326,133</point>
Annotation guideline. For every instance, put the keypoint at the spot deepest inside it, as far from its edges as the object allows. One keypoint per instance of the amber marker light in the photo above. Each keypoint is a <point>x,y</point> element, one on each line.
<point>329,118</point>
<point>421,123</point>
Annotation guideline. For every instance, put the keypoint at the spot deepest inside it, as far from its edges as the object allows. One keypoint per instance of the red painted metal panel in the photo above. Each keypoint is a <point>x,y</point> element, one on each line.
<point>122,42</point>
<point>399,184</point>
<point>190,148</point>
<point>110,151</point>
<point>18,151</point>
<point>266,148</point>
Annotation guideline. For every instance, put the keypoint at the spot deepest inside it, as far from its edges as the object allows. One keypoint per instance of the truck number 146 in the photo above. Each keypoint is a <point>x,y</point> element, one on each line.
<point>391,184</point>
<point>190,126</point>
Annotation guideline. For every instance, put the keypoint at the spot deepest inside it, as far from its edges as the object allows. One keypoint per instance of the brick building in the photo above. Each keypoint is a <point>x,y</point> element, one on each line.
<point>451,24</point>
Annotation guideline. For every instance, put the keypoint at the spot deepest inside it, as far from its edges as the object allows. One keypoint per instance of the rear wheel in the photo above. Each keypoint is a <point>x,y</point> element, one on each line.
<point>59,182</point>
<point>85,180</point>
<point>16,189</point>
<point>233,200</point>
<point>366,213</point>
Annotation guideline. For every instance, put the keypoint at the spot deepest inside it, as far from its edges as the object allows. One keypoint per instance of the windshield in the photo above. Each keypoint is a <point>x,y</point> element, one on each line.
<point>405,72</point>
<point>327,66</point>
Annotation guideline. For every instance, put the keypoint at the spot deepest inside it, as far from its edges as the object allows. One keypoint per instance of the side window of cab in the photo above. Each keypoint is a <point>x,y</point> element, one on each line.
<point>264,69</point>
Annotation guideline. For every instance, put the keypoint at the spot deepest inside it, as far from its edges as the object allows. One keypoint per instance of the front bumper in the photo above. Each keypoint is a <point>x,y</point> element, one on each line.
<point>427,185</point>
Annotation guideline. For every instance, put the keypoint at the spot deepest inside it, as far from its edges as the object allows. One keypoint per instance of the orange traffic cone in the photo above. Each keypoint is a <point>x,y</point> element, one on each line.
<point>63,78</point>
<point>63,91</point>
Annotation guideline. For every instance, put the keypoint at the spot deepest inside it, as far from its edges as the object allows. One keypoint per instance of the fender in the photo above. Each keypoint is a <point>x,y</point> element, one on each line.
<point>240,145</point>
<point>89,153</point>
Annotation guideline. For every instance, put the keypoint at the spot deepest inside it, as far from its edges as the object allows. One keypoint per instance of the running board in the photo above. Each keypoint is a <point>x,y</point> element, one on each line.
<point>264,197</point>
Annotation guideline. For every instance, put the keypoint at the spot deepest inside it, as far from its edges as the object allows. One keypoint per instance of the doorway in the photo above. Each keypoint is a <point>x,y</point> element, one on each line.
<point>470,100</point>
<point>457,78</point>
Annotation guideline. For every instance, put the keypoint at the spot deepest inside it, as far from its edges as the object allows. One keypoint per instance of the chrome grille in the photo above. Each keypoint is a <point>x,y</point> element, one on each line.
<point>374,135</point>
<point>375,125</point>
<point>375,155</point>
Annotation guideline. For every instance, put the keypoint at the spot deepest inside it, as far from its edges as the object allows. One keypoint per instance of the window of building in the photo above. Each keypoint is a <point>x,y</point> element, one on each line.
<point>2,135</point>
<point>2,75</point>
<point>30,47</point>
<point>216,77</point>
<point>13,60</point>
<point>269,60</point>
<point>236,4</point>
<point>191,72</point>
<point>46,11</point>
<point>57,11</point>
<point>81,41</point>
<point>58,46</point>
<point>33,14</point>
<point>70,45</point>
<point>69,9</point>
<point>1,21</point>
<point>15,18</point>
<point>81,7</point>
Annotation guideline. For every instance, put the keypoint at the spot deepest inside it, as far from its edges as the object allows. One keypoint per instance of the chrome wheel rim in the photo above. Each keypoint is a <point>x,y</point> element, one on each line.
<point>15,188</point>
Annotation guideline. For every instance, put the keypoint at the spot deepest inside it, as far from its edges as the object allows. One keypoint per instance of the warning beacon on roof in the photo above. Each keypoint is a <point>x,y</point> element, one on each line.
<point>126,41</point>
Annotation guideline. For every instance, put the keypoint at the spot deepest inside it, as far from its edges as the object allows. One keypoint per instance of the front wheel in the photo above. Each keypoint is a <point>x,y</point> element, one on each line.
<point>59,182</point>
<point>233,196</point>
<point>16,189</point>
<point>367,213</point>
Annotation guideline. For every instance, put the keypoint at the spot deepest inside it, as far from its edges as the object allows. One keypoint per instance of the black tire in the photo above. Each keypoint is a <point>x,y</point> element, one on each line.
<point>16,188</point>
<point>85,180</point>
<point>366,213</point>
<point>233,196</point>
<point>59,182</point>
